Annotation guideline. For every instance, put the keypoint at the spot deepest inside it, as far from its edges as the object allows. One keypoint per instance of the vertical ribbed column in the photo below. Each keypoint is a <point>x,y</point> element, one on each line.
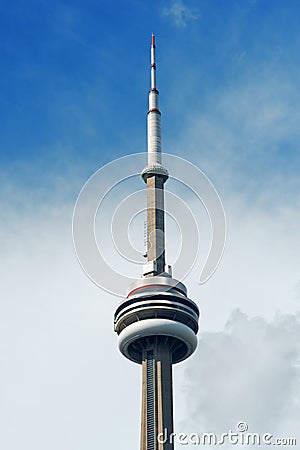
<point>143,443</point>
<point>157,397</point>
<point>151,399</point>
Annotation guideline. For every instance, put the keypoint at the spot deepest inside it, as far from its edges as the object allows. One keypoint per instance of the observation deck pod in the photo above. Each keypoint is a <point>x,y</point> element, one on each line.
<point>157,311</point>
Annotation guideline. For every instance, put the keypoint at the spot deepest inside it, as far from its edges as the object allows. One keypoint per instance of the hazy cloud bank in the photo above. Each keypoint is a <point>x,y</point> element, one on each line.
<point>248,372</point>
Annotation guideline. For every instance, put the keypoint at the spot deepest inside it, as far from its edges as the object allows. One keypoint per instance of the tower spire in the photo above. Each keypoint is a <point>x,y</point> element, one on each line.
<point>154,175</point>
<point>154,114</point>
<point>153,64</point>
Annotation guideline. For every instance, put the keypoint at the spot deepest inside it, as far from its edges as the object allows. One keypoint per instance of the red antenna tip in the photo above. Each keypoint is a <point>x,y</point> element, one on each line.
<point>153,39</point>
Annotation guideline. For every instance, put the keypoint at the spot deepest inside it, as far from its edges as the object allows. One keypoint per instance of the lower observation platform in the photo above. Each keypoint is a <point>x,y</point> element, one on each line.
<point>157,309</point>
<point>157,326</point>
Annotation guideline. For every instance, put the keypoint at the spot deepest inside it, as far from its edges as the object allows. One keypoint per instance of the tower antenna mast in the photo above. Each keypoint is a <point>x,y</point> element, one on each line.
<point>154,175</point>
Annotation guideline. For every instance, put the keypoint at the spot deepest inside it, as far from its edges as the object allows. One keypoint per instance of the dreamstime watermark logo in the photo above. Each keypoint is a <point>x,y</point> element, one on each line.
<point>95,196</point>
<point>241,436</point>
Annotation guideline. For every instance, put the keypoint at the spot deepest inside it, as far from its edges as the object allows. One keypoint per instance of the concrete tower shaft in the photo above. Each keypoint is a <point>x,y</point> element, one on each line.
<point>157,396</point>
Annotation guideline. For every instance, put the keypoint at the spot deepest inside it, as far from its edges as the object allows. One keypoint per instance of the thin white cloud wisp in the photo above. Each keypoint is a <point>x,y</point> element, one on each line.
<point>180,13</point>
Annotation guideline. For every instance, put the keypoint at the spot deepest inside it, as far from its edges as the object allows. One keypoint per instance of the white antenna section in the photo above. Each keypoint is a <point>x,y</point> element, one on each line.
<point>154,116</point>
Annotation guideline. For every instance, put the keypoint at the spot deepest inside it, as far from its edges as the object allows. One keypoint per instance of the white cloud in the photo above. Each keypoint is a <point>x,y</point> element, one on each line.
<point>59,375</point>
<point>180,13</point>
<point>60,367</point>
<point>248,372</point>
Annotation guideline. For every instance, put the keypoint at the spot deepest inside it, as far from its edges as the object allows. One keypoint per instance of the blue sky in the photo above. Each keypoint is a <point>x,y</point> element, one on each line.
<point>74,77</point>
<point>74,85</point>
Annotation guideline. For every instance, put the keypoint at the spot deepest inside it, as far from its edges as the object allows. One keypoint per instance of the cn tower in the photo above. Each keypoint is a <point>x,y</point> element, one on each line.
<point>156,323</point>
